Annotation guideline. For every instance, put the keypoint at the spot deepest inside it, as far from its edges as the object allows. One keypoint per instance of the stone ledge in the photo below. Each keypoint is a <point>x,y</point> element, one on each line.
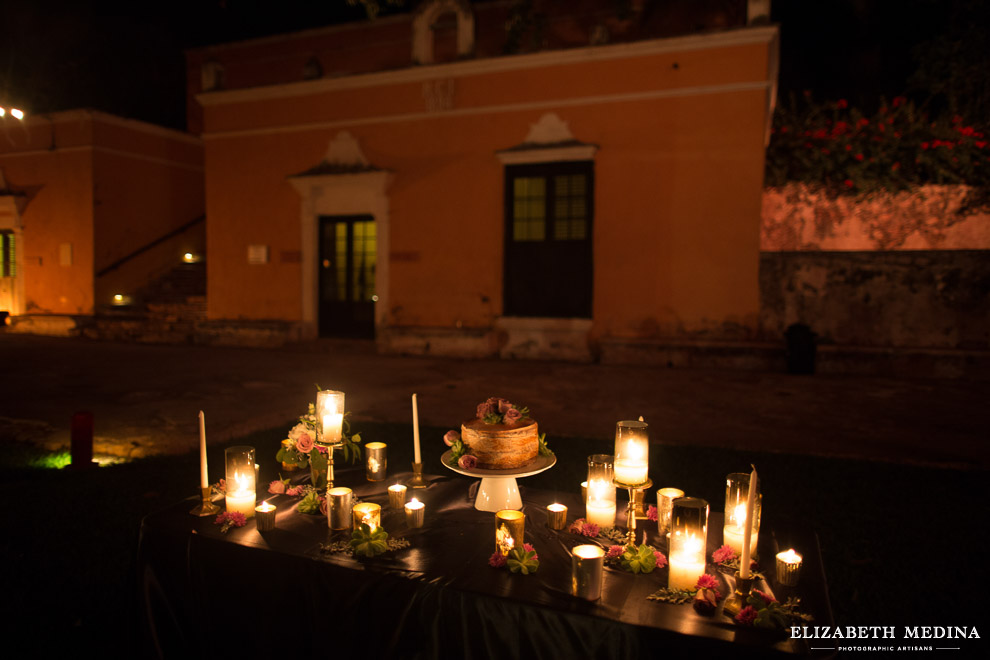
<point>444,342</point>
<point>50,325</point>
<point>700,354</point>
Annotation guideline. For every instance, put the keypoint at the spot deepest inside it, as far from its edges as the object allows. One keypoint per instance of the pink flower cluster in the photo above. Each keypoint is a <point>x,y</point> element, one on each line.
<point>746,616</point>
<point>497,560</point>
<point>706,581</point>
<point>723,554</point>
<point>588,529</point>
<point>767,598</point>
<point>226,520</point>
<point>529,548</point>
<point>281,487</point>
<point>498,406</point>
<point>615,551</point>
<point>661,558</point>
<point>651,514</point>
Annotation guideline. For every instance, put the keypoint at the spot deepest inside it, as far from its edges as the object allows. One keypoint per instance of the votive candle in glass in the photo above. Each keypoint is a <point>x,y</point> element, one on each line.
<point>264,514</point>
<point>688,540</point>
<point>584,492</point>
<point>375,461</point>
<point>415,511</point>
<point>600,505</point>
<point>510,526</point>
<point>665,502</point>
<point>632,453</point>
<point>736,494</point>
<point>396,496</point>
<point>339,504</point>
<point>329,416</point>
<point>368,513</point>
<point>240,496</point>
<point>788,568</point>
<point>556,516</point>
<point>587,571</point>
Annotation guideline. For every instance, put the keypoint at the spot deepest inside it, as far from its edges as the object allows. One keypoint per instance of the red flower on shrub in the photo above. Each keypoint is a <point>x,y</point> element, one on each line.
<point>924,145</point>
<point>848,183</point>
<point>899,101</point>
<point>842,103</point>
<point>859,157</point>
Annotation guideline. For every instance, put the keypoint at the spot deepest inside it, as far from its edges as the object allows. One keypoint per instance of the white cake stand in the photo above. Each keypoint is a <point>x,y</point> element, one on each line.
<point>498,489</point>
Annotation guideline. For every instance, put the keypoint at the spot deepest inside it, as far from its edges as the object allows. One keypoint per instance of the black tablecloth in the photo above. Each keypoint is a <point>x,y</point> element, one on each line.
<point>205,593</point>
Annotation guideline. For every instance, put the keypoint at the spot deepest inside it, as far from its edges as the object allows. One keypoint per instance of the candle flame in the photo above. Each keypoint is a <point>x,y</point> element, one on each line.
<point>240,483</point>
<point>598,489</point>
<point>503,540</point>
<point>739,516</point>
<point>790,557</point>
<point>414,501</point>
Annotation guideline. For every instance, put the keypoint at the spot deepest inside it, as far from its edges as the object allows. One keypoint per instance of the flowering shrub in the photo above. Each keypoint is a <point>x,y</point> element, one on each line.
<point>898,147</point>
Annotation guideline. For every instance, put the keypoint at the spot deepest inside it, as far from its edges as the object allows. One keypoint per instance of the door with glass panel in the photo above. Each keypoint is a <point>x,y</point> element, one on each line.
<point>347,276</point>
<point>548,239</point>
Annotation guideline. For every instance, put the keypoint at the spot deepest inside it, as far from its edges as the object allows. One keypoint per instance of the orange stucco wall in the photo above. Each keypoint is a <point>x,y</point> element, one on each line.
<point>678,187</point>
<point>58,184</point>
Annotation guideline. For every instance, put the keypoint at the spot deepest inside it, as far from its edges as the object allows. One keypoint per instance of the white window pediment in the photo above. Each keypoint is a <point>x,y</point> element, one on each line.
<point>549,140</point>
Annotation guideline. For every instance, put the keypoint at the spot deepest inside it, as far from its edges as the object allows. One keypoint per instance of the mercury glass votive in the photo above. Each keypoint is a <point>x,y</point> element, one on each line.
<point>415,513</point>
<point>509,528</point>
<point>375,461</point>
<point>330,417</point>
<point>584,492</point>
<point>264,514</point>
<point>556,516</point>
<point>587,571</point>
<point>396,496</point>
<point>600,504</point>
<point>788,568</point>
<point>368,513</point>
<point>665,502</point>
<point>240,496</point>
<point>736,494</point>
<point>688,540</point>
<point>632,453</point>
<point>339,504</point>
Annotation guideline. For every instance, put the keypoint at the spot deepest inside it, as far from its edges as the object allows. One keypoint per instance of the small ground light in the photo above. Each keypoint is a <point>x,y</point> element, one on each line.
<point>121,299</point>
<point>188,257</point>
<point>3,112</point>
<point>17,114</point>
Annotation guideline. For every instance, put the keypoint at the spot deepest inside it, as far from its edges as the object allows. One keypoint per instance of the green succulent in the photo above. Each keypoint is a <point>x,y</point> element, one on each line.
<point>368,543</point>
<point>523,561</point>
<point>639,560</point>
<point>310,503</point>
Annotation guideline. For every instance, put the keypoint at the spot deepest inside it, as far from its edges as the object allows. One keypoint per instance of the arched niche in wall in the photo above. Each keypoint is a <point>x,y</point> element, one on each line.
<point>427,15</point>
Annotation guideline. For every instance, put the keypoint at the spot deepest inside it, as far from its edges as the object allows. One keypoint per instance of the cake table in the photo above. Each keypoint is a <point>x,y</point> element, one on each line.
<point>498,489</point>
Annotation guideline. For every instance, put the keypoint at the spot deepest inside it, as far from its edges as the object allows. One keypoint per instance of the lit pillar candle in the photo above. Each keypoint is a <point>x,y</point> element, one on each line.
<point>600,504</point>
<point>240,481</point>
<point>415,512</point>
<point>330,409</point>
<point>632,453</point>
<point>204,480</point>
<point>748,532</point>
<point>415,410</point>
<point>367,513</point>
<point>736,497</point>
<point>688,538</point>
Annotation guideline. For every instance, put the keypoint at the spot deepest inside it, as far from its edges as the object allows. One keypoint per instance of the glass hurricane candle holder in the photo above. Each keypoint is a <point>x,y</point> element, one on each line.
<point>240,496</point>
<point>600,505</point>
<point>688,541</point>
<point>736,494</point>
<point>330,417</point>
<point>632,453</point>
<point>368,513</point>
<point>509,528</point>
<point>665,505</point>
<point>375,461</point>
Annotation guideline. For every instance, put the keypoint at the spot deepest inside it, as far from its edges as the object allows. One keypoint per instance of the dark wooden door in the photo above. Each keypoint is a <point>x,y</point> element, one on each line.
<point>348,248</point>
<point>548,239</point>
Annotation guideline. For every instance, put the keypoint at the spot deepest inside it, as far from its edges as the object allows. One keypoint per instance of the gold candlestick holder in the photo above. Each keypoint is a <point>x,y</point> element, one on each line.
<point>206,507</point>
<point>631,507</point>
<point>737,601</point>
<point>417,480</point>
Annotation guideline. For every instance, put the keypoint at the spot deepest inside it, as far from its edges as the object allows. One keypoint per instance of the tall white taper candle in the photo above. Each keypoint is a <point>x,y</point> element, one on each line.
<point>748,533</point>
<point>416,457</point>
<point>204,480</point>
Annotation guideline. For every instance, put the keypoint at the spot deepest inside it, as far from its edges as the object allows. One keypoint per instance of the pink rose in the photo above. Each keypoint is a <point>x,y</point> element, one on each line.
<point>467,462</point>
<point>276,487</point>
<point>497,560</point>
<point>295,491</point>
<point>483,410</point>
<point>504,406</point>
<point>512,416</point>
<point>323,505</point>
<point>746,616</point>
<point>305,443</point>
<point>706,602</point>
<point>661,558</point>
<point>451,437</point>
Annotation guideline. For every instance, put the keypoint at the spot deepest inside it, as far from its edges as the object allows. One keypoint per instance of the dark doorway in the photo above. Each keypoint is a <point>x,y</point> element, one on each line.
<point>548,239</point>
<point>348,247</point>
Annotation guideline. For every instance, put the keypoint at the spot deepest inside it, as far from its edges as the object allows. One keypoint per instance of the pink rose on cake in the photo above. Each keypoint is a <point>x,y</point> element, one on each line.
<point>497,410</point>
<point>467,462</point>
<point>451,437</point>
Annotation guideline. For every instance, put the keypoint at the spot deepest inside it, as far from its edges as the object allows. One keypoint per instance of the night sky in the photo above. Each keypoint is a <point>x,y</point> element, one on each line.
<point>126,58</point>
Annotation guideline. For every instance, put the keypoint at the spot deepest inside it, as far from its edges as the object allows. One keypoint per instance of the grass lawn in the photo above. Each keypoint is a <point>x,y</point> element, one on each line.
<point>900,543</point>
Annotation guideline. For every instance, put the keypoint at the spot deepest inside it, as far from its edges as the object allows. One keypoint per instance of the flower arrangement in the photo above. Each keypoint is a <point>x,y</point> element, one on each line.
<point>299,449</point>
<point>764,611</point>
<point>500,411</point>
<point>226,520</point>
<point>519,560</point>
<point>897,147</point>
